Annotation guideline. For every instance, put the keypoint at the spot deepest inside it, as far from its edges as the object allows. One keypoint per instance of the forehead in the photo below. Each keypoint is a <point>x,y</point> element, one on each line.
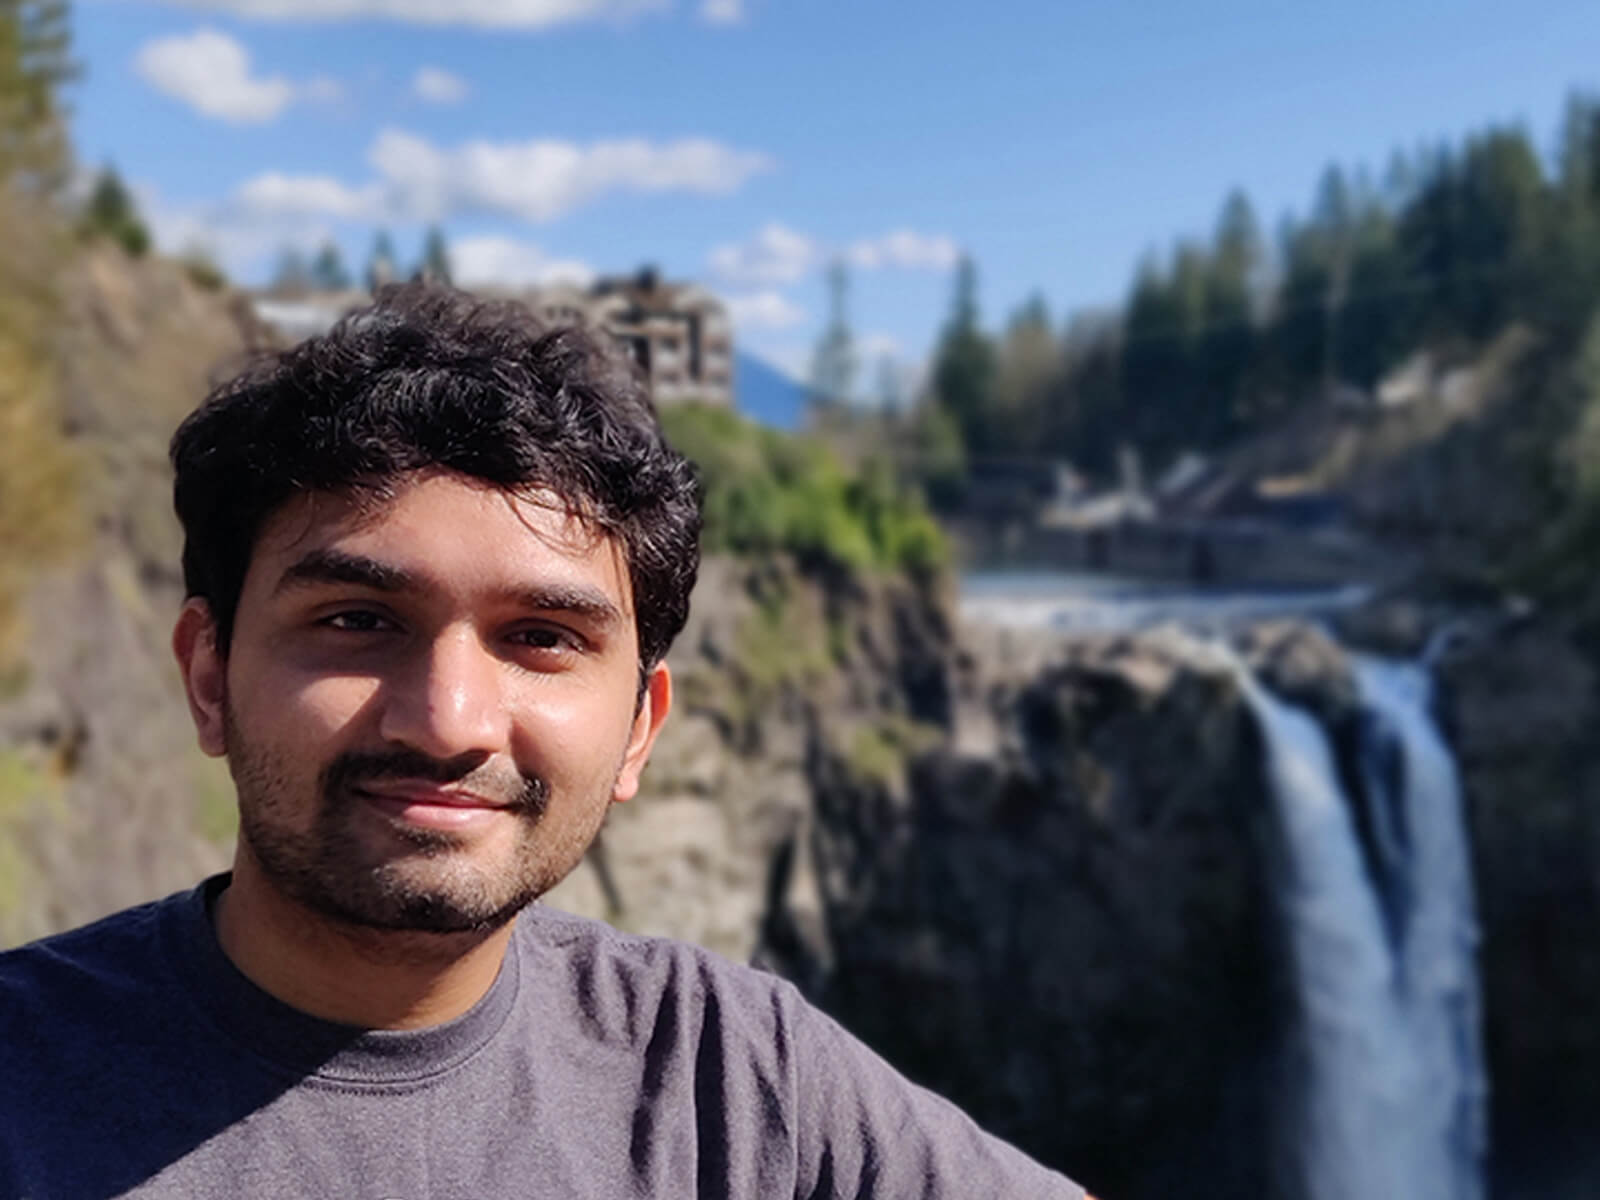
<point>448,533</point>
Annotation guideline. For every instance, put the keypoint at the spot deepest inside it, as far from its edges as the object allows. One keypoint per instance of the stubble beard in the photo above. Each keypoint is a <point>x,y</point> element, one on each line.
<point>425,880</point>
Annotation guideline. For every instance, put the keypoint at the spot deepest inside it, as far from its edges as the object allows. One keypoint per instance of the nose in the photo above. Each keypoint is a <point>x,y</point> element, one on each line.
<point>447,701</point>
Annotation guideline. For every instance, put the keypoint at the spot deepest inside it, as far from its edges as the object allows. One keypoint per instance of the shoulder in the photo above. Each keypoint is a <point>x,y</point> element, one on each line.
<point>88,972</point>
<point>71,1006</point>
<point>90,952</point>
<point>628,984</point>
<point>597,952</point>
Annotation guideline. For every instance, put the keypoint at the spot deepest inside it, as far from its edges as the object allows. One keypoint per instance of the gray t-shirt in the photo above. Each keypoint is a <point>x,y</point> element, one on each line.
<point>135,1059</point>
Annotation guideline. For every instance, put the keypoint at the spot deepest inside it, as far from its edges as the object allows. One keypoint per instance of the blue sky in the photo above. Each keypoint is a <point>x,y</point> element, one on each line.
<point>744,143</point>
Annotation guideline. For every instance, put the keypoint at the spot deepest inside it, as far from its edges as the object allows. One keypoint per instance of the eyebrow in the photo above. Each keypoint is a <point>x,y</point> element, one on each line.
<point>586,603</point>
<point>338,566</point>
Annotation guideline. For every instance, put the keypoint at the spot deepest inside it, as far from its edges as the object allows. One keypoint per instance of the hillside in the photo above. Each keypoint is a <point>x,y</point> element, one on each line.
<point>104,799</point>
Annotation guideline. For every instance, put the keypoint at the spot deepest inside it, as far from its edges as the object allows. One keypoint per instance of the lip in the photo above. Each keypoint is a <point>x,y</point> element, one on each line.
<point>418,791</point>
<point>417,802</point>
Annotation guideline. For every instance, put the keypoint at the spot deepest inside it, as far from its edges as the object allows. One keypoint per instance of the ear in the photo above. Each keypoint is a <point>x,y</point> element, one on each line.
<point>653,709</point>
<point>205,675</point>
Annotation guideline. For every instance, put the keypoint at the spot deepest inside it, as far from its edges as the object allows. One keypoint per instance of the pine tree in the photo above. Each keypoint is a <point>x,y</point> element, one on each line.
<point>1156,366</point>
<point>1027,369</point>
<point>964,366</point>
<point>292,274</point>
<point>1378,320</point>
<point>35,64</point>
<point>1087,418</point>
<point>833,362</point>
<point>890,385</point>
<point>1501,208</point>
<point>381,267</point>
<point>41,509</point>
<point>111,213</point>
<point>435,264</point>
<point>1226,348</point>
<point>328,272</point>
<point>1317,257</point>
<point>1570,274</point>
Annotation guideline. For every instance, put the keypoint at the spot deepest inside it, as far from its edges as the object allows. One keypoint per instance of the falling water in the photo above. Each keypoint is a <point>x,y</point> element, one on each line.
<point>1383,938</point>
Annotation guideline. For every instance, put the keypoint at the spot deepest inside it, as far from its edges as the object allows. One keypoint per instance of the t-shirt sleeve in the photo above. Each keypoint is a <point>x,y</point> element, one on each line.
<point>865,1131</point>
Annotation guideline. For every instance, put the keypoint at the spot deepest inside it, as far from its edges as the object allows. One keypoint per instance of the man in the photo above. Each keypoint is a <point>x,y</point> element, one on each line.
<point>434,560</point>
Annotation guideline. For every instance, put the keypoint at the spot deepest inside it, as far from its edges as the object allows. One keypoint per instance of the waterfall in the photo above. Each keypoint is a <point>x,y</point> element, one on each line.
<point>1383,941</point>
<point>1438,940</point>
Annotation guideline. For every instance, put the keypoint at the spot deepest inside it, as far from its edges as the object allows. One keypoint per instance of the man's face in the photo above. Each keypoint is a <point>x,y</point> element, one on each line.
<point>428,705</point>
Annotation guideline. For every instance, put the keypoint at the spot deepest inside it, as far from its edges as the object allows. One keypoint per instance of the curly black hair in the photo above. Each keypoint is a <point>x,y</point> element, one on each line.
<point>428,377</point>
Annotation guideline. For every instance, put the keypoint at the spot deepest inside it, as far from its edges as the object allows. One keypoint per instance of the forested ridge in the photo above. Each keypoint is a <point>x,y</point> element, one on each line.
<point>1222,338</point>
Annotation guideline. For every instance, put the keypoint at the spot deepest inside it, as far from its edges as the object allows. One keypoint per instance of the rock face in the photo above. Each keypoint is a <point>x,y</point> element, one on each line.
<point>1521,710</point>
<point>770,656</point>
<point>1073,938</point>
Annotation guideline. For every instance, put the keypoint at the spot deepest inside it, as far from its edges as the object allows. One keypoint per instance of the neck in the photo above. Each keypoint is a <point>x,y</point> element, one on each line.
<point>369,978</point>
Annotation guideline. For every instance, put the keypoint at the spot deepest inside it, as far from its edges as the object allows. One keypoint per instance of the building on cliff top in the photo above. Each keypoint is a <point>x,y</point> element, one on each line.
<point>678,333</point>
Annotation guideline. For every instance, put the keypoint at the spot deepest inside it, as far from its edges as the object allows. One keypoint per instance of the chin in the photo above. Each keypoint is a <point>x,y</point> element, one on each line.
<point>399,902</point>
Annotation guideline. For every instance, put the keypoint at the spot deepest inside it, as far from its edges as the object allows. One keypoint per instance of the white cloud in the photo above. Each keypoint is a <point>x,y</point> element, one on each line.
<point>483,14</point>
<point>764,310</point>
<point>722,12</point>
<point>779,255</point>
<point>274,195</point>
<point>210,72</point>
<point>322,90</point>
<point>544,179</point>
<point>243,241</point>
<point>477,261</point>
<point>775,255</point>
<point>438,86</point>
<point>904,248</point>
<point>534,181</point>
<point>874,346</point>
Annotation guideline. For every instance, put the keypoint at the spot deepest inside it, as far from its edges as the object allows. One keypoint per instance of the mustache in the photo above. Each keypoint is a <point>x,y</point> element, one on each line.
<point>524,794</point>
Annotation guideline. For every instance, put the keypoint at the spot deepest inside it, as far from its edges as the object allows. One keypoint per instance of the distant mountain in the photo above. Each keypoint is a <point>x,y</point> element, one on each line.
<point>765,394</point>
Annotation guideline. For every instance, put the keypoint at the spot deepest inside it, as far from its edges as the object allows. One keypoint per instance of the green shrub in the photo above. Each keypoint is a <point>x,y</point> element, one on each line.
<point>110,212</point>
<point>202,269</point>
<point>878,752</point>
<point>767,491</point>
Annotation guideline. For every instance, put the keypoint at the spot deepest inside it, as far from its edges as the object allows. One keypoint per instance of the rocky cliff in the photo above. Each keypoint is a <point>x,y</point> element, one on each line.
<point>1520,705</point>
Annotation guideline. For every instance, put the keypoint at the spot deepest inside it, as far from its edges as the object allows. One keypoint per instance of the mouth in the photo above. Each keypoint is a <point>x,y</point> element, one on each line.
<point>430,805</point>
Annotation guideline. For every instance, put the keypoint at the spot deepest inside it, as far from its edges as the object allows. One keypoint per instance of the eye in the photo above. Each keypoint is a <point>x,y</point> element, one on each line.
<point>549,639</point>
<point>357,620</point>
